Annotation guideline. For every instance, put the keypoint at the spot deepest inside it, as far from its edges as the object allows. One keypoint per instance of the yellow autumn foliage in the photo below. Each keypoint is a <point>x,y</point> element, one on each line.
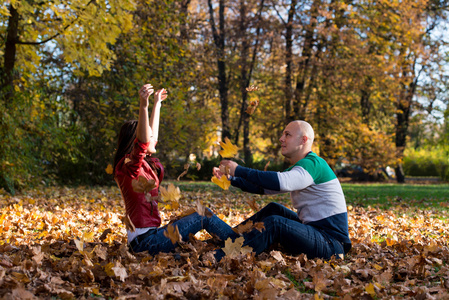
<point>229,150</point>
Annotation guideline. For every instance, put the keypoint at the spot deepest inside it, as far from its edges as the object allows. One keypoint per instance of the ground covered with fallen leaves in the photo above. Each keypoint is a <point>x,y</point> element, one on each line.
<point>70,243</point>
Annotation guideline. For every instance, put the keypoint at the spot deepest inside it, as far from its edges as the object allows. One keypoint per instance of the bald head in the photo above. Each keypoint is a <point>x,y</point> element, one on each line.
<point>296,140</point>
<point>305,129</point>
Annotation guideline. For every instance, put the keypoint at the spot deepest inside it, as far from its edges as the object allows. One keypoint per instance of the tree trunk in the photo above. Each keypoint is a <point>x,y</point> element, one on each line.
<point>7,76</point>
<point>245,77</point>
<point>184,30</point>
<point>400,177</point>
<point>7,89</point>
<point>244,81</point>
<point>365,100</point>
<point>288,90</point>
<point>219,40</point>
<point>304,75</point>
<point>402,122</point>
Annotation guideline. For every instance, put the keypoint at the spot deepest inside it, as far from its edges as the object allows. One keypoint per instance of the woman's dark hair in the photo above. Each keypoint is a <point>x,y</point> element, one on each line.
<point>125,142</point>
<point>126,138</point>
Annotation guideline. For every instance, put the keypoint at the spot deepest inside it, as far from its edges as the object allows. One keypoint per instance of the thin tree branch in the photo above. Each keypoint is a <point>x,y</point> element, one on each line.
<point>57,34</point>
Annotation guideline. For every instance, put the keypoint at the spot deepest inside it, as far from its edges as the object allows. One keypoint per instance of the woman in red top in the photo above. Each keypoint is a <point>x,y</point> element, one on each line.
<point>137,142</point>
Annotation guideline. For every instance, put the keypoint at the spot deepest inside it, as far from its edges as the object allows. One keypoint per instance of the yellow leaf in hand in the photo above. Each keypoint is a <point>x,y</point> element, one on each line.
<point>109,169</point>
<point>171,193</point>
<point>229,150</point>
<point>223,182</point>
<point>172,232</point>
<point>142,185</point>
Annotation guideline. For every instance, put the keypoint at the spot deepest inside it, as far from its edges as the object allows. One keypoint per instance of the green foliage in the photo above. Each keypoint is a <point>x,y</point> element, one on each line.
<point>42,148</point>
<point>73,27</point>
<point>351,65</point>
<point>151,53</point>
<point>19,162</point>
<point>427,161</point>
<point>39,140</point>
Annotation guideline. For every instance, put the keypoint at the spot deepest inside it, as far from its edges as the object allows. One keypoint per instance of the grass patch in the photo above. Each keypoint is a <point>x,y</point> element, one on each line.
<point>387,195</point>
<point>195,186</point>
<point>410,199</point>
<point>374,194</point>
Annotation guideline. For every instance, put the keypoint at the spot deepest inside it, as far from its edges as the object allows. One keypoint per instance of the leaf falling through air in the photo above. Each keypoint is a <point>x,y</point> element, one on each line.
<point>143,185</point>
<point>109,169</point>
<point>172,232</point>
<point>229,149</point>
<point>171,196</point>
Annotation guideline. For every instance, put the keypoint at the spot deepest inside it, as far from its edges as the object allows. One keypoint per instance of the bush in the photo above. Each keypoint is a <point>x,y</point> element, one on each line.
<point>428,161</point>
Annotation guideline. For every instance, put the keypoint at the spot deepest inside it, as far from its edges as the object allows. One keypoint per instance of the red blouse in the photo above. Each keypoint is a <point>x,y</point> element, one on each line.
<point>142,212</point>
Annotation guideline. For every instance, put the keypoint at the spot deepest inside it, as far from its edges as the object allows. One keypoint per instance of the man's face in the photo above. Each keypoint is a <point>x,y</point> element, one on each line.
<point>291,140</point>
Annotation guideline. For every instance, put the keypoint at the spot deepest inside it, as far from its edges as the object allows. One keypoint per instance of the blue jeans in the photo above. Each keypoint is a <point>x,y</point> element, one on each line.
<point>283,226</point>
<point>155,241</point>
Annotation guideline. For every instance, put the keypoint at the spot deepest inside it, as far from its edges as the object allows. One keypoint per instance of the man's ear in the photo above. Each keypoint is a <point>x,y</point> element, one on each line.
<point>305,139</point>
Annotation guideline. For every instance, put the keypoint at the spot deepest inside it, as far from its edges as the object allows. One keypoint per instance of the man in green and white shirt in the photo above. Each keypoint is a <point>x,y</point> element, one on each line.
<point>320,226</point>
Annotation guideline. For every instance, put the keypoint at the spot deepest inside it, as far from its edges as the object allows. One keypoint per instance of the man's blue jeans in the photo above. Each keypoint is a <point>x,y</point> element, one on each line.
<point>155,241</point>
<point>283,226</point>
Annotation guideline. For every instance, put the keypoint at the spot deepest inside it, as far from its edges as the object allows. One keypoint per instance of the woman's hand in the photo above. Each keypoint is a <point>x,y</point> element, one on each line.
<point>217,173</point>
<point>160,95</point>
<point>229,166</point>
<point>144,93</point>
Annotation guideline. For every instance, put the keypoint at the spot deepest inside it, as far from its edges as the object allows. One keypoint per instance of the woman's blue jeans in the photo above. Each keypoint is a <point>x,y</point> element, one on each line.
<point>155,241</point>
<point>283,226</point>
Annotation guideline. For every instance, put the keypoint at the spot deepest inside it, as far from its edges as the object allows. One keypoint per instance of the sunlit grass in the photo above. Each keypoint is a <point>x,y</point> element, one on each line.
<point>410,198</point>
<point>389,194</point>
<point>386,194</point>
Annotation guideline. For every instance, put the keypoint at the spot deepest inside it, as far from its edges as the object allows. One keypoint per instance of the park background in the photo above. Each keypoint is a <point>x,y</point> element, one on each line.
<point>369,76</point>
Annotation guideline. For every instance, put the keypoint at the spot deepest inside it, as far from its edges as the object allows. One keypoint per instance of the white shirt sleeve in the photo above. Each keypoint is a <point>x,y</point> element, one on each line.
<point>295,179</point>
